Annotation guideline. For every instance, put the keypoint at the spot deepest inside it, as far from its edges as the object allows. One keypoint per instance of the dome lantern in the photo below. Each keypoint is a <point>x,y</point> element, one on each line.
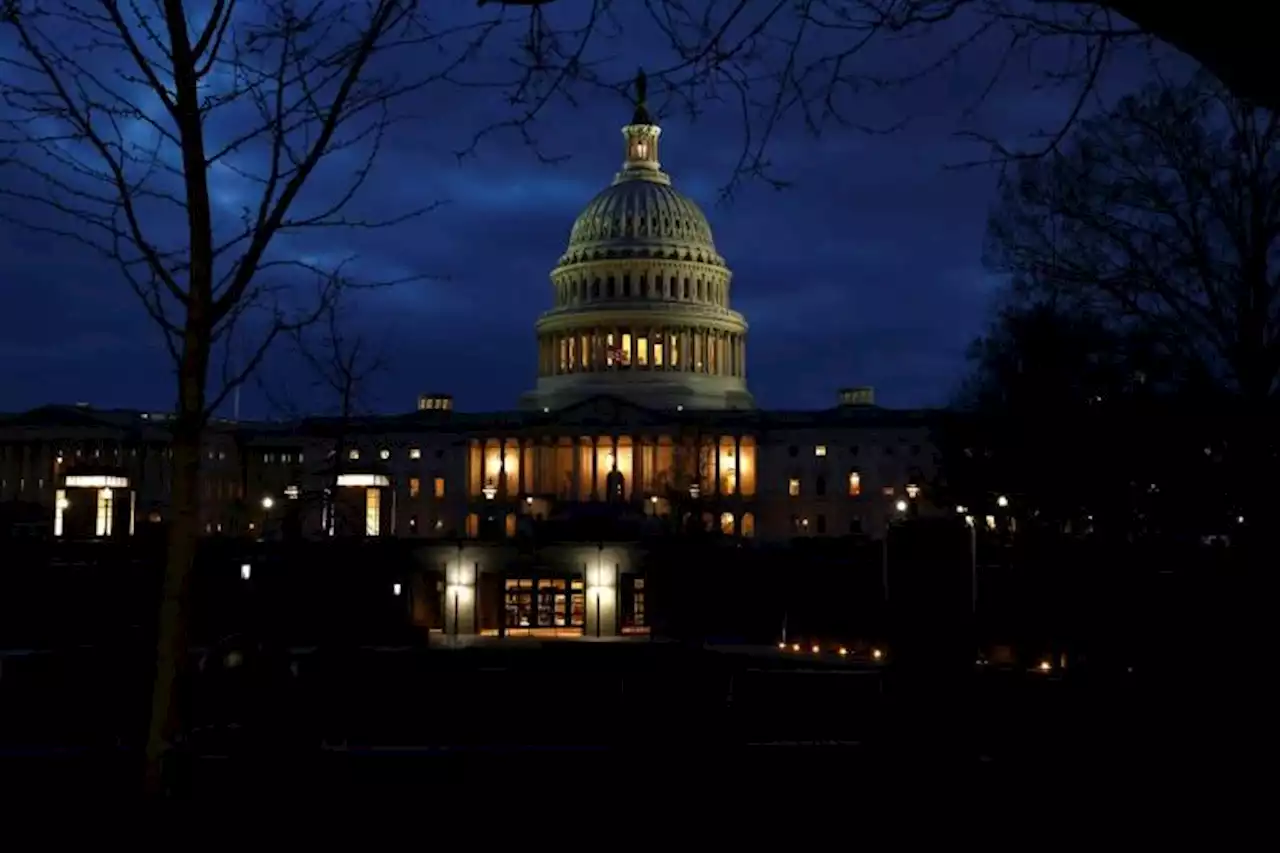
<point>641,155</point>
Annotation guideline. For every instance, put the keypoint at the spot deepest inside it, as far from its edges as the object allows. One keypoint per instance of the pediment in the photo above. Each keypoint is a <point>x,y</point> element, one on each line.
<point>605,410</point>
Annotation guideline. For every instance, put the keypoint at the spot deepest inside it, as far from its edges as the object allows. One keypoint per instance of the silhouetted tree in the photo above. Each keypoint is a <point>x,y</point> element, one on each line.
<point>1160,215</point>
<point>342,363</point>
<point>123,125</point>
<point>810,61</point>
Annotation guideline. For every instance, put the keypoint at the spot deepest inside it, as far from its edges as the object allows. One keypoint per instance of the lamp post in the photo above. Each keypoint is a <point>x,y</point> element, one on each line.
<point>973,561</point>
<point>899,507</point>
<point>599,578</point>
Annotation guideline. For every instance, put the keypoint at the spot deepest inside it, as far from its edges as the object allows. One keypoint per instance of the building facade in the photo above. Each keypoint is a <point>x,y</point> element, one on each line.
<point>641,410</point>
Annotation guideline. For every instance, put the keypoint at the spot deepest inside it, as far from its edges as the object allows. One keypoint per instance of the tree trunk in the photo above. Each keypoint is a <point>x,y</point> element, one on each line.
<point>171,643</point>
<point>184,536</point>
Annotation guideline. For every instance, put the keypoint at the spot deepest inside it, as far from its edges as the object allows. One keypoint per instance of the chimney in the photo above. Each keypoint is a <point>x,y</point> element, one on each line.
<point>863,395</point>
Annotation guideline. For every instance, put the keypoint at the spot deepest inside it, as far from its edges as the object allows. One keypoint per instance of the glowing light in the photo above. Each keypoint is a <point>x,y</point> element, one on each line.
<point>968,519</point>
<point>653,499</point>
<point>1045,666</point>
<point>366,481</point>
<point>962,510</point>
<point>679,408</point>
<point>900,506</point>
<point>489,492</point>
<point>395,589</point>
<point>795,647</point>
<point>815,650</point>
<point>843,651</point>
<point>245,571</point>
<point>268,502</point>
<point>1239,519</point>
<point>96,481</point>
<point>876,654</point>
<point>782,646</point>
<point>1002,501</point>
<point>529,500</point>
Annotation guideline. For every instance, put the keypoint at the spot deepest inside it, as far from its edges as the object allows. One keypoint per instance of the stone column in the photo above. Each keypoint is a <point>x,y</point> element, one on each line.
<point>575,464</point>
<point>715,451</point>
<point>595,468</point>
<point>737,464</point>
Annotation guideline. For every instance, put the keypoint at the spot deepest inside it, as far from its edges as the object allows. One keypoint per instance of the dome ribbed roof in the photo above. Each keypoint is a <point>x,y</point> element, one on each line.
<point>641,218</point>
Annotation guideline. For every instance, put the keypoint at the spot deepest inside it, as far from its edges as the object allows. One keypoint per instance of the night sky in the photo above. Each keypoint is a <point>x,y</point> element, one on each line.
<point>865,271</point>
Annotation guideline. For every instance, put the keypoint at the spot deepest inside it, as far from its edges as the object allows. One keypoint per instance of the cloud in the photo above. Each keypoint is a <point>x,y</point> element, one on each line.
<point>865,270</point>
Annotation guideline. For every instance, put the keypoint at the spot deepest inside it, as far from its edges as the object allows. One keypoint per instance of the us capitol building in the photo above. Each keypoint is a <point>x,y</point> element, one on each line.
<point>640,425</point>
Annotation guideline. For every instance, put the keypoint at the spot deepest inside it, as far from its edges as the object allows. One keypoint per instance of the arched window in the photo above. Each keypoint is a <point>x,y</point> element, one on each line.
<point>473,525</point>
<point>748,527</point>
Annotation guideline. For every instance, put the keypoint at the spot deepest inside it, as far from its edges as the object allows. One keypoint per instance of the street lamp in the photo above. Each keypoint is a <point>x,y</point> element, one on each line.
<point>268,502</point>
<point>973,562</point>
<point>901,507</point>
<point>1002,502</point>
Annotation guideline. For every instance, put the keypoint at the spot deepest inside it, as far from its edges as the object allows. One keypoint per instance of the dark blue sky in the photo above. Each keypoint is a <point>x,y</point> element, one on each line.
<point>865,271</point>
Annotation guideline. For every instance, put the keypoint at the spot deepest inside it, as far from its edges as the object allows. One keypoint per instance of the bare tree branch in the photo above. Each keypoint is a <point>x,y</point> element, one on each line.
<point>1163,214</point>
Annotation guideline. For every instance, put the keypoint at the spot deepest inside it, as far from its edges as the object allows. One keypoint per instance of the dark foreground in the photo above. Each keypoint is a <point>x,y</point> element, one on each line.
<point>649,717</point>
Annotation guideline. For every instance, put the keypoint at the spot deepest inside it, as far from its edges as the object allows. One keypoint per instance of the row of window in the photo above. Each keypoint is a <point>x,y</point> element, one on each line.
<point>572,291</point>
<point>821,450</point>
<point>854,487</point>
<point>800,525</point>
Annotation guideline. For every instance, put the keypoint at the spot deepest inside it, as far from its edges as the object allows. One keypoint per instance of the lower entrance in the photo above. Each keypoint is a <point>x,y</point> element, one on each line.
<point>545,605</point>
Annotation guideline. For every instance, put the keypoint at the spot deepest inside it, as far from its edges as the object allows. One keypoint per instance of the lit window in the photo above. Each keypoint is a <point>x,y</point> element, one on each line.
<point>820,450</point>
<point>726,523</point>
<point>438,489</point>
<point>473,525</point>
<point>415,453</point>
<point>372,512</point>
<point>913,491</point>
<point>793,487</point>
<point>353,454</point>
<point>855,484</point>
<point>415,486</point>
<point>888,491</point>
<point>106,509</point>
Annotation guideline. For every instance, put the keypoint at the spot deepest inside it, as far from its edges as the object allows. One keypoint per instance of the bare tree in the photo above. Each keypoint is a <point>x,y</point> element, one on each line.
<point>1163,215</point>
<point>124,124</point>
<point>813,62</point>
<point>343,363</point>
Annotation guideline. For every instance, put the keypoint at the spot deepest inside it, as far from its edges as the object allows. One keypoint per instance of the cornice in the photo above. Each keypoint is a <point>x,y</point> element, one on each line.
<point>644,313</point>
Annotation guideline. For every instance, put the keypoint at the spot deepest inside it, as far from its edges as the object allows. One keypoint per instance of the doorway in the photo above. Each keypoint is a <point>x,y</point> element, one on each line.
<point>545,604</point>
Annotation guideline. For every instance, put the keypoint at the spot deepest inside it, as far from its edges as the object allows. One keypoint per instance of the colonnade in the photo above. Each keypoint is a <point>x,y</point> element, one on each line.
<point>684,349</point>
<point>580,468</point>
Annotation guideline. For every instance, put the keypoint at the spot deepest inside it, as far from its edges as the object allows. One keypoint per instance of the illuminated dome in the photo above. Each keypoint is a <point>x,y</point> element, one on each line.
<point>642,297</point>
<point>641,217</point>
